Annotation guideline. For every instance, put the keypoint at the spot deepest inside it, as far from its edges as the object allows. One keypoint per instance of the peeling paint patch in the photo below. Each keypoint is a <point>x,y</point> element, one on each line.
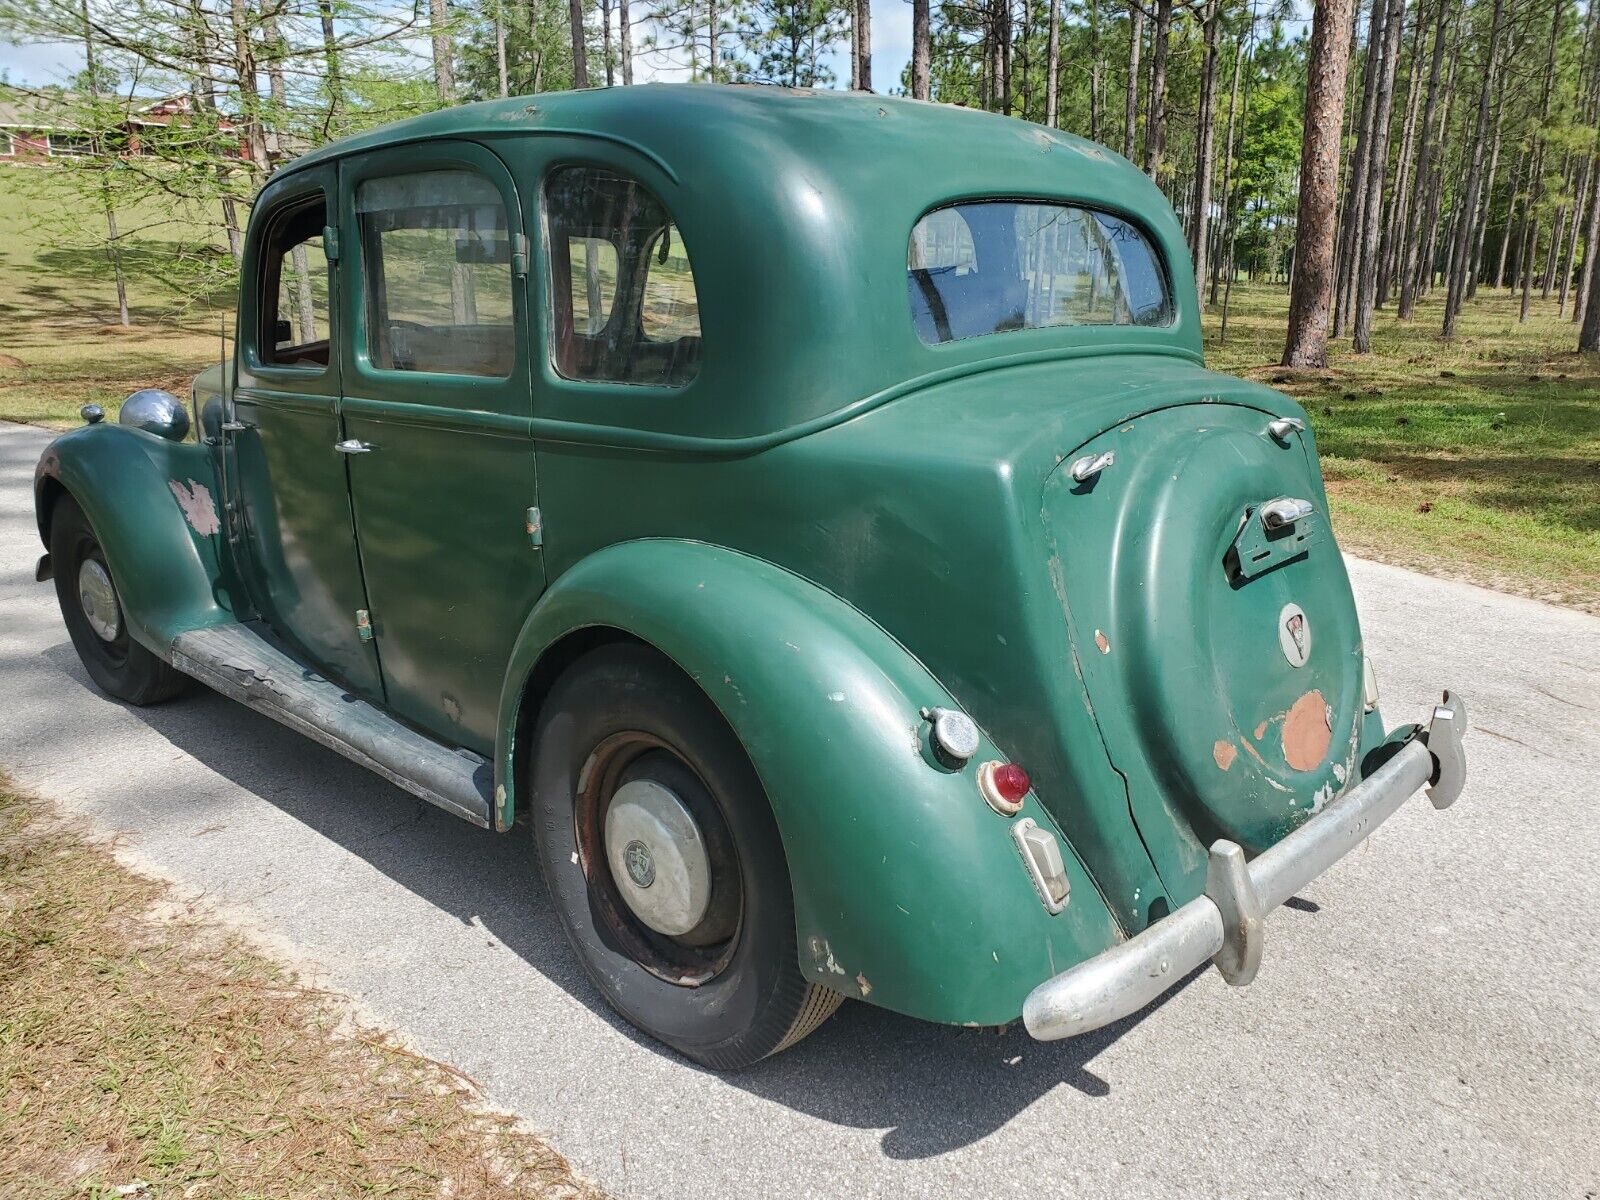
<point>1338,772</point>
<point>1102,641</point>
<point>1306,734</point>
<point>1224,753</point>
<point>198,507</point>
<point>1261,730</point>
<point>866,988</point>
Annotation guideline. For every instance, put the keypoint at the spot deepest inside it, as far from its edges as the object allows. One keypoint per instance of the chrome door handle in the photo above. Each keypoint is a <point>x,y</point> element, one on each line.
<point>1283,512</point>
<point>353,446</point>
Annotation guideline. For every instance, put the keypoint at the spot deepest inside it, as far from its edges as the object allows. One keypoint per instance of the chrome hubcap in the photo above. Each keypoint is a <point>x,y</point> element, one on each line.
<point>98,600</point>
<point>658,857</point>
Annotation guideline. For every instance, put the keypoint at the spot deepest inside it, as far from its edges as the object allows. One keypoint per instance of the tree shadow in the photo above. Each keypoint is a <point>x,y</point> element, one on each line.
<point>931,1088</point>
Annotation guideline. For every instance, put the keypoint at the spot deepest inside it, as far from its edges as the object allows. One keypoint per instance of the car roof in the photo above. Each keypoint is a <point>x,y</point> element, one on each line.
<point>796,206</point>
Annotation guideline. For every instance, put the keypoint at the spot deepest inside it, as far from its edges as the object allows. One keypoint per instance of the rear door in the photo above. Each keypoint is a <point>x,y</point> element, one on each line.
<point>288,486</point>
<point>437,412</point>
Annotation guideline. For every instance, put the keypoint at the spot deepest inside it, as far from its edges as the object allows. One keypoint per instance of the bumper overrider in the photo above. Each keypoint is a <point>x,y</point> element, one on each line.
<point>1225,925</point>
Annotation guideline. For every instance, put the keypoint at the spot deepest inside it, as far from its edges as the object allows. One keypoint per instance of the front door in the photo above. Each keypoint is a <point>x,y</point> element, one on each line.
<point>437,410</point>
<point>289,490</point>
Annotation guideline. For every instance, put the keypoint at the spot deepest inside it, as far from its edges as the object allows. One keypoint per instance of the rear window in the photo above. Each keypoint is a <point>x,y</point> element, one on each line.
<point>997,265</point>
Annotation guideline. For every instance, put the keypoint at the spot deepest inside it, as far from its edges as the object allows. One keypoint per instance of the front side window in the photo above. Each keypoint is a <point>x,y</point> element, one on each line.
<point>293,300</point>
<point>622,295</point>
<point>437,256</point>
<point>998,265</point>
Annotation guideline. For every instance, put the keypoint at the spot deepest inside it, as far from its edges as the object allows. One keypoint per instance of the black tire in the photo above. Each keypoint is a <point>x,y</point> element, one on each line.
<point>729,992</point>
<point>119,666</point>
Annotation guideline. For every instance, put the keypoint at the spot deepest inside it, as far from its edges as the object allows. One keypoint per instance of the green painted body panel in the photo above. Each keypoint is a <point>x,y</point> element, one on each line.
<point>909,890</point>
<point>170,567</point>
<point>832,525</point>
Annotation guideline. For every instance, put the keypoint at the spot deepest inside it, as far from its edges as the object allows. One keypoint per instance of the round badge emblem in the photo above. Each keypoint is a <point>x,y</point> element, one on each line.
<point>1294,634</point>
<point>641,863</point>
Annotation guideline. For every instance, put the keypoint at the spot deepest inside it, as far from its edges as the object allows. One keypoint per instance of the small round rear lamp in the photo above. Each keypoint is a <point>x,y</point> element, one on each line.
<point>1003,786</point>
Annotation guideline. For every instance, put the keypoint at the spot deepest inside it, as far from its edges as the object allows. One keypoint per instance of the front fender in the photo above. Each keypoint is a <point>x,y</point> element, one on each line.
<point>152,503</point>
<point>909,890</point>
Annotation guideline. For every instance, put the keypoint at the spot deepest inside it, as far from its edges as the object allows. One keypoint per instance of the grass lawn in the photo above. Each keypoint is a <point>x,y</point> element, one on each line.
<point>1479,460</point>
<point>148,1051</point>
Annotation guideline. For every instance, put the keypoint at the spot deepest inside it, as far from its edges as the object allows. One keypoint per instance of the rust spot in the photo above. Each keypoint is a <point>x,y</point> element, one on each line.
<point>1305,732</point>
<point>1261,730</point>
<point>866,988</point>
<point>1102,641</point>
<point>1224,753</point>
<point>198,508</point>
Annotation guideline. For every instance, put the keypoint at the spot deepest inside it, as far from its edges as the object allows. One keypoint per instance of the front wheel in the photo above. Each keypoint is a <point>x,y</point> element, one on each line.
<point>92,610</point>
<point>662,857</point>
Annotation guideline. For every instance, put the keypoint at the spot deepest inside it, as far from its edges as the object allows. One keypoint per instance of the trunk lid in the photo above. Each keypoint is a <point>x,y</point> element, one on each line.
<point>1222,660</point>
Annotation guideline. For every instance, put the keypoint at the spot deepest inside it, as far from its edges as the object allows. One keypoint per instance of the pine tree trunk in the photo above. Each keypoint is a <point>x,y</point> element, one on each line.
<point>921,74</point>
<point>500,50</point>
<point>1094,69</point>
<point>1328,63</point>
<point>605,41</point>
<point>1430,229</point>
<point>861,47</point>
<point>330,59</point>
<point>1204,153</point>
<point>714,41</point>
<point>1475,276</point>
<point>1225,225</point>
<point>1356,189</point>
<point>1403,200</point>
<point>1155,129</point>
<point>1052,66</point>
<point>1457,289</point>
<point>580,48</point>
<point>1367,273</point>
<point>1530,248</point>
<point>1130,115</point>
<point>444,70</point>
<point>1586,309</point>
<point>1427,187</point>
<point>1511,213</point>
<point>113,237</point>
<point>625,38</point>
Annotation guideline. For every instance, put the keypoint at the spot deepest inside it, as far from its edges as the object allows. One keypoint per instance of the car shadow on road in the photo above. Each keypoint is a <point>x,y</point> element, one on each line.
<point>930,1088</point>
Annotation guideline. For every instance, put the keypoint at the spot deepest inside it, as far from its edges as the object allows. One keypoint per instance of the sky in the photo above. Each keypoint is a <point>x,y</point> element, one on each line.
<point>34,65</point>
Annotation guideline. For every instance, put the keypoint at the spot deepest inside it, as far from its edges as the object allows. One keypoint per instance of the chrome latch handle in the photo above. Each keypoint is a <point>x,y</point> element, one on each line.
<point>1283,512</point>
<point>1284,426</point>
<point>1086,468</point>
<point>353,446</point>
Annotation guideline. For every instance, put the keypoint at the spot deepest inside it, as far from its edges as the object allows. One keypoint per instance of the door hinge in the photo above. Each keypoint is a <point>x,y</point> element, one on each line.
<point>519,253</point>
<point>535,528</point>
<point>363,625</point>
<point>330,242</point>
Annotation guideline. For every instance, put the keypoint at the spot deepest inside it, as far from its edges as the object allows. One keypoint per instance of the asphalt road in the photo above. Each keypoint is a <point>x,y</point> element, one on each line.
<point>1426,1020</point>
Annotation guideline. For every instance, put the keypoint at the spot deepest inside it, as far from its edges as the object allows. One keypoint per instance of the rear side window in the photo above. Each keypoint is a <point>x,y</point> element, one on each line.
<point>437,259</point>
<point>998,265</point>
<point>622,293</point>
<point>293,301</point>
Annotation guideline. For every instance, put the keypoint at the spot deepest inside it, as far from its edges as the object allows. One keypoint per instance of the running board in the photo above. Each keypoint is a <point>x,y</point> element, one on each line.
<point>242,663</point>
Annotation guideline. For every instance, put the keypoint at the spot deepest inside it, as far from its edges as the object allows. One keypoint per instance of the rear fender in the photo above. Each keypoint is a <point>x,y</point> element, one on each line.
<point>153,506</point>
<point>910,891</point>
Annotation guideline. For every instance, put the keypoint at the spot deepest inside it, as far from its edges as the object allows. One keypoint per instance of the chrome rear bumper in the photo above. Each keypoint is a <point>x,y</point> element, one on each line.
<point>1224,925</point>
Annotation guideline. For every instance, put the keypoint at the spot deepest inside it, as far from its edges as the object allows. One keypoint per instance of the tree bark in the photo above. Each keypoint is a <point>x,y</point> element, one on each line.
<point>1094,69</point>
<point>1225,225</point>
<point>1475,275</point>
<point>1130,116</point>
<point>1204,153</point>
<point>1586,310</point>
<point>625,39</point>
<point>861,47</point>
<point>580,50</point>
<point>1458,276</point>
<point>605,42</point>
<point>1355,189</point>
<point>500,49</point>
<point>1327,66</point>
<point>330,59</point>
<point>1367,273</point>
<point>921,75</point>
<point>1425,185</point>
<point>1530,244</point>
<point>1155,128</point>
<point>1401,203</point>
<point>444,70</point>
<point>1052,66</point>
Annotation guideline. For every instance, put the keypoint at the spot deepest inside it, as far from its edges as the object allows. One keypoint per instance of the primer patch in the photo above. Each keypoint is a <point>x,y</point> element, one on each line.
<point>199,509</point>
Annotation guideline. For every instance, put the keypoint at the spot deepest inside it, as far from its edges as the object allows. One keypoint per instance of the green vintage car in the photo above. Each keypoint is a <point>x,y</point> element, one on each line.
<point>809,513</point>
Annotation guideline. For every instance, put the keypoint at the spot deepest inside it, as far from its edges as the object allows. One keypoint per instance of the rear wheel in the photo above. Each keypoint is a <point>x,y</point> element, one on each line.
<point>92,610</point>
<point>663,860</point>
